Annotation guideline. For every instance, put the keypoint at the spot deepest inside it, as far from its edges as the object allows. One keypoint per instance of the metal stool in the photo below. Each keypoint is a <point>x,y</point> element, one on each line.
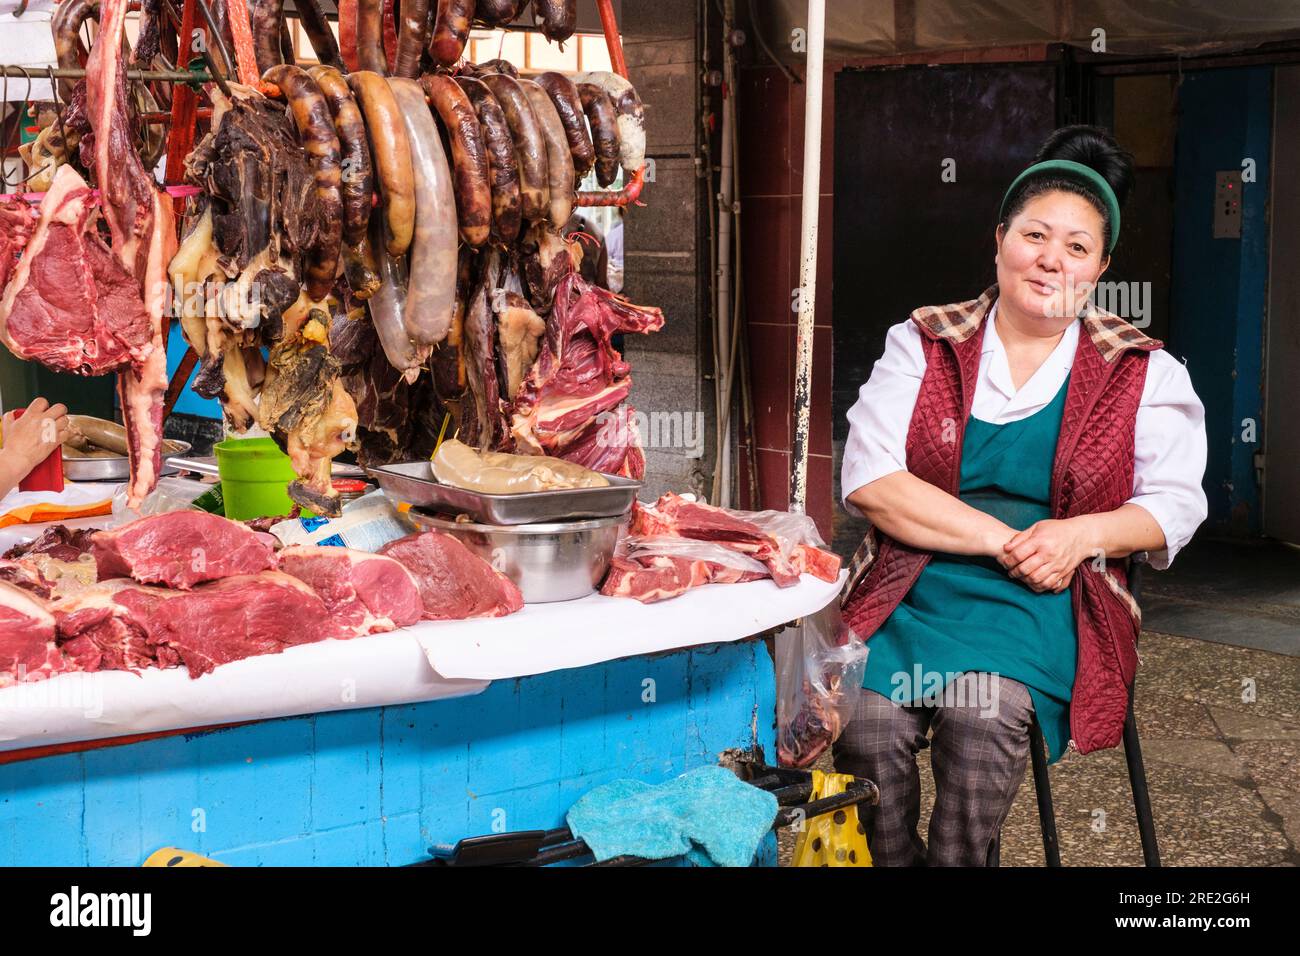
<point>1137,775</point>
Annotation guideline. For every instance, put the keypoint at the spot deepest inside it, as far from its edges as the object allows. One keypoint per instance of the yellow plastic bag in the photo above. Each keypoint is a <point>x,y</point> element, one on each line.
<point>832,839</point>
<point>171,856</point>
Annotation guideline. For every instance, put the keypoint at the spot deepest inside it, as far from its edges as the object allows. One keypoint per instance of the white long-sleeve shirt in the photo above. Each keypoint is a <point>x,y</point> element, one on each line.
<point>1169,446</point>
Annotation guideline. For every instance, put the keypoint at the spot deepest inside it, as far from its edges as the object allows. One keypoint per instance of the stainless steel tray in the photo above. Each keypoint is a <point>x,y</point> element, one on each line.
<point>556,561</point>
<point>412,482</point>
<point>117,468</point>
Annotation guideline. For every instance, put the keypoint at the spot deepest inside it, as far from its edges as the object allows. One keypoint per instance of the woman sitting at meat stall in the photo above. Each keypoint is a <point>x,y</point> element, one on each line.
<point>1011,452</point>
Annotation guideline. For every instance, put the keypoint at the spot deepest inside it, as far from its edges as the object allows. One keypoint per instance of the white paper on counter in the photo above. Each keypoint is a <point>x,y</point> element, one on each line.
<point>74,493</point>
<point>428,661</point>
<point>372,671</point>
<point>550,637</point>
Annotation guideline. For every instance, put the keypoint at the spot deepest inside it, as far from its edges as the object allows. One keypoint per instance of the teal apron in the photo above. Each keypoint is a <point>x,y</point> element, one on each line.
<point>964,613</point>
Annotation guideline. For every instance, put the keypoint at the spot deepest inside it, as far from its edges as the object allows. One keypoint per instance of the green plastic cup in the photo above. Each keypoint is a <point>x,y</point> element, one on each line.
<point>254,477</point>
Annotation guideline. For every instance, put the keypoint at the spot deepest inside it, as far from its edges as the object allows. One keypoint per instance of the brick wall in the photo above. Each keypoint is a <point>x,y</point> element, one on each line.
<point>771,117</point>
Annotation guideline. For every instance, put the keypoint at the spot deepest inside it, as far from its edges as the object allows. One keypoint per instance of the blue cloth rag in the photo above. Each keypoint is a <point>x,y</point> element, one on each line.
<point>707,809</point>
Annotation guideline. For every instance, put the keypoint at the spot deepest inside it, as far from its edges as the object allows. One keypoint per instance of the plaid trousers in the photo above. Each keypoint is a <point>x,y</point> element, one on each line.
<point>981,749</point>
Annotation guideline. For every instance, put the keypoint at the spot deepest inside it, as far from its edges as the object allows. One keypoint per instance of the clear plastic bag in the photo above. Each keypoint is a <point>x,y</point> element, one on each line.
<point>666,545</point>
<point>799,547</point>
<point>819,669</point>
<point>789,528</point>
<point>170,494</point>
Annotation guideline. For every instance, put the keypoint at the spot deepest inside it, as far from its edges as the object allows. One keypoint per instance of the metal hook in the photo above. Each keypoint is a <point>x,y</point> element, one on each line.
<point>4,99</point>
<point>27,96</point>
<point>58,113</point>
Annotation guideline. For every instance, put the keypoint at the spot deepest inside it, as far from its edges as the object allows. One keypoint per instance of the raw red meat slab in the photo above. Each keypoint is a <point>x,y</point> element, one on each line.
<point>660,577</point>
<point>689,519</point>
<point>27,650</point>
<point>363,592</point>
<point>455,583</point>
<point>180,549</point>
<point>71,305</point>
<point>656,577</point>
<point>214,624</point>
<point>99,632</point>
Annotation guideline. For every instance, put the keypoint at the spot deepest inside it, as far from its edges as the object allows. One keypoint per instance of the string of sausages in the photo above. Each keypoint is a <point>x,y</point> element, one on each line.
<point>518,148</point>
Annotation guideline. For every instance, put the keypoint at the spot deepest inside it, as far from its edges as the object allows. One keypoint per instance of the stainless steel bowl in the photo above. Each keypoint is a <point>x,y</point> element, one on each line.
<point>117,467</point>
<point>559,561</point>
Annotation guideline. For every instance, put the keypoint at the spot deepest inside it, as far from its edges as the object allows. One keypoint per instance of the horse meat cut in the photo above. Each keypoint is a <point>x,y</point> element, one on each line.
<point>123,625</point>
<point>181,549</point>
<point>27,650</point>
<point>455,583</point>
<point>364,592</point>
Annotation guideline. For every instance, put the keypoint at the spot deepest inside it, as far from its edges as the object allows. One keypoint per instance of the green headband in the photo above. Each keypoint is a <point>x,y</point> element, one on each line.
<point>1087,175</point>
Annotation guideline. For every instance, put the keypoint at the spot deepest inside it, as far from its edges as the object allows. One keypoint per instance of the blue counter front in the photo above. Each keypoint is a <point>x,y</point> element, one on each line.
<point>380,786</point>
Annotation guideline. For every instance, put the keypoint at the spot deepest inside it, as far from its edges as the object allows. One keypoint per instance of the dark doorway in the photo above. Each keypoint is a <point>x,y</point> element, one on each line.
<point>906,235</point>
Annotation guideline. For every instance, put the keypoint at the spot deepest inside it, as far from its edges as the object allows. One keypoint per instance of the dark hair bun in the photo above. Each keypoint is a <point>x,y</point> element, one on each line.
<point>1093,147</point>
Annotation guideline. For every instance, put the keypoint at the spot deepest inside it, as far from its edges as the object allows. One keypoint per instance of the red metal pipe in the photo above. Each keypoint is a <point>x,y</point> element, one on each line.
<point>179,378</point>
<point>624,197</point>
<point>180,138</point>
<point>612,40</point>
<point>242,33</point>
<point>54,750</point>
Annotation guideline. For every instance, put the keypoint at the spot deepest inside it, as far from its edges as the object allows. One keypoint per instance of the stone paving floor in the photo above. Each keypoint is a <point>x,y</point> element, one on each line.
<point>1220,733</point>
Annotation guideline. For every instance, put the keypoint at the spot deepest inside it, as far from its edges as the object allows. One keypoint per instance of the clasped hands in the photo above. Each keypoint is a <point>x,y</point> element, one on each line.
<point>1045,555</point>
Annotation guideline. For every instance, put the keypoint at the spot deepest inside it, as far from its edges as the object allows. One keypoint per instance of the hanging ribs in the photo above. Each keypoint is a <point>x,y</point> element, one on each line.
<point>17,223</point>
<point>139,217</point>
<point>570,404</point>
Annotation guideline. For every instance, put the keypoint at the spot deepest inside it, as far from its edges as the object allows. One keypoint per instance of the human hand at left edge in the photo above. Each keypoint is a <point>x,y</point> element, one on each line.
<point>1044,556</point>
<point>29,440</point>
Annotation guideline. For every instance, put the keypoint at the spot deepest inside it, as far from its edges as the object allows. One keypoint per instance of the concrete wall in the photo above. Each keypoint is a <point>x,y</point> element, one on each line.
<point>666,249</point>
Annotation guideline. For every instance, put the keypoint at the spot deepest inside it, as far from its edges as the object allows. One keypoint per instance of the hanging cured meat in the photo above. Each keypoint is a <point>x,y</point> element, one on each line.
<point>376,246</point>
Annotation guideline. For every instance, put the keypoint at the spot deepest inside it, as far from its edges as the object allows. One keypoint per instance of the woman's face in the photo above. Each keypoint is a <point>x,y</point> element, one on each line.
<point>1050,256</point>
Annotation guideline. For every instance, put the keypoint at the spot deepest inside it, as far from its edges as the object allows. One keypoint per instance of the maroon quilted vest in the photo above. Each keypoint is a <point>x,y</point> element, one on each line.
<point>1092,472</point>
